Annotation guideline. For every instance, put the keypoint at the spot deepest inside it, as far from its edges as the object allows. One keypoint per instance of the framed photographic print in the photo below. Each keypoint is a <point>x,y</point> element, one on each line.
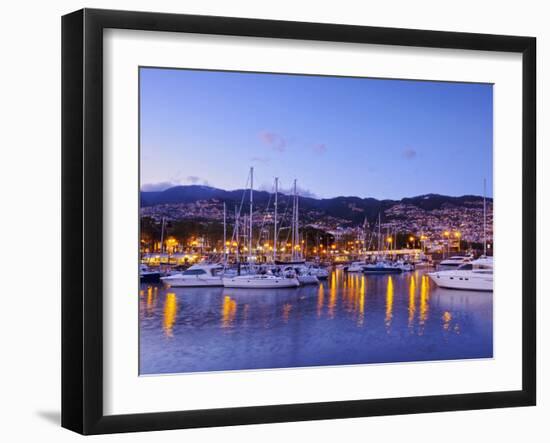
<point>269,221</point>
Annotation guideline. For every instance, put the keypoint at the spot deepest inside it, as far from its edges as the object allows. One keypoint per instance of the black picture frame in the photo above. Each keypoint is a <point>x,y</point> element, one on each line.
<point>82,219</point>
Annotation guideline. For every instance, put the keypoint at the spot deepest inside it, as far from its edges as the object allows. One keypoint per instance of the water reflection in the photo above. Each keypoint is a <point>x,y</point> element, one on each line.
<point>348,319</point>
<point>389,302</point>
<point>424,306</point>
<point>229,309</point>
<point>412,300</point>
<point>170,312</point>
<point>320,300</point>
<point>362,295</point>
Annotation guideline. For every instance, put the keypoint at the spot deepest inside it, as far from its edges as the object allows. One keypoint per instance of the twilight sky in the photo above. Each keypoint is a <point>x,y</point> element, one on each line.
<point>337,136</point>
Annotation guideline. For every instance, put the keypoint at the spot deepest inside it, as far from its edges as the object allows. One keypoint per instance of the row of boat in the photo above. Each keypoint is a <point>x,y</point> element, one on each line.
<point>380,267</point>
<point>268,277</point>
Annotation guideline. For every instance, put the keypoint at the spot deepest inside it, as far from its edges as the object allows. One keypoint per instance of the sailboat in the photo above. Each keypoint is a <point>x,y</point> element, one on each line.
<point>381,266</point>
<point>305,274</point>
<point>266,279</point>
<point>476,275</point>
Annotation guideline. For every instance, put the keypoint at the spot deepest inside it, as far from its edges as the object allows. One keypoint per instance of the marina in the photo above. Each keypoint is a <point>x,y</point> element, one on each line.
<point>264,248</point>
<point>347,319</point>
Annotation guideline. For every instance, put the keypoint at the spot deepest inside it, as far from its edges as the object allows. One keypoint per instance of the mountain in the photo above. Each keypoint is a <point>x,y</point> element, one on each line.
<point>349,208</point>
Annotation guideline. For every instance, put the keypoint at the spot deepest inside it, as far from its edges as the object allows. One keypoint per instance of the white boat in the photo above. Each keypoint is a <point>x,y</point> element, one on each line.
<point>356,266</point>
<point>454,261</point>
<point>382,267</point>
<point>196,275</point>
<point>302,273</point>
<point>147,275</point>
<point>260,281</point>
<point>423,264</point>
<point>476,275</point>
<point>320,272</point>
<point>405,266</point>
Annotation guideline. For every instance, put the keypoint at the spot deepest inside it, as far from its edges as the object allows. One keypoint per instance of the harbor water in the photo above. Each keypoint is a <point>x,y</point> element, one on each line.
<point>347,319</point>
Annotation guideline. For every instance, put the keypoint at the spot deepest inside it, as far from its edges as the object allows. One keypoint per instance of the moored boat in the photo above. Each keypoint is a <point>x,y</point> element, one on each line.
<point>382,267</point>
<point>476,275</point>
<point>356,266</point>
<point>302,273</point>
<point>454,261</point>
<point>147,275</point>
<point>260,281</point>
<point>196,276</point>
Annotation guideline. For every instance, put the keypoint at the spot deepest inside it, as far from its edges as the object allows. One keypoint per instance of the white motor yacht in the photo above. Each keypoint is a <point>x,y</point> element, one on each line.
<point>454,261</point>
<point>404,265</point>
<point>356,266</point>
<point>196,275</point>
<point>320,272</point>
<point>302,273</point>
<point>476,275</point>
<point>260,281</point>
<point>382,267</point>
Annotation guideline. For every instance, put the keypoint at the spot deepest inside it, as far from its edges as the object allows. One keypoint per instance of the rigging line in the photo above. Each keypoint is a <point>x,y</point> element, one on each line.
<point>265,217</point>
<point>281,225</point>
<point>240,209</point>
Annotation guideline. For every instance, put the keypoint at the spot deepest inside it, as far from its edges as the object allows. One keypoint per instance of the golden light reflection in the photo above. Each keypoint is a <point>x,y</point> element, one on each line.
<point>229,308</point>
<point>424,306</point>
<point>151,300</point>
<point>447,317</point>
<point>320,299</point>
<point>412,300</point>
<point>362,294</point>
<point>332,296</point>
<point>287,307</point>
<point>170,313</point>
<point>389,302</point>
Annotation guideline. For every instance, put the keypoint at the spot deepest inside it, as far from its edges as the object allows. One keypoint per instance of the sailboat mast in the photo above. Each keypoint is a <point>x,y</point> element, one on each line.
<point>484,218</point>
<point>275,220</point>
<point>237,233</point>
<point>364,245</point>
<point>297,229</point>
<point>293,224</point>
<point>224,234</point>
<point>379,233</point>
<point>251,204</point>
<point>162,235</point>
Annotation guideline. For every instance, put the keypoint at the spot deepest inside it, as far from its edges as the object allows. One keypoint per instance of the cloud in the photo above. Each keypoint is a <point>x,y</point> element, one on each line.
<point>409,153</point>
<point>320,148</point>
<point>161,186</point>
<point>287,191</point>
<point>193,179</point>
<point>157,187</point>
<point>273,141</point>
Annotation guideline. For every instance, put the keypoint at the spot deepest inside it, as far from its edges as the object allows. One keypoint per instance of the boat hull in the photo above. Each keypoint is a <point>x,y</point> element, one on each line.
<point>260,283</point>
<point>149,277</point>
<point>179,282</point>
<point>382,271</point>
<point>462,282</point>
<point>308,279</point>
